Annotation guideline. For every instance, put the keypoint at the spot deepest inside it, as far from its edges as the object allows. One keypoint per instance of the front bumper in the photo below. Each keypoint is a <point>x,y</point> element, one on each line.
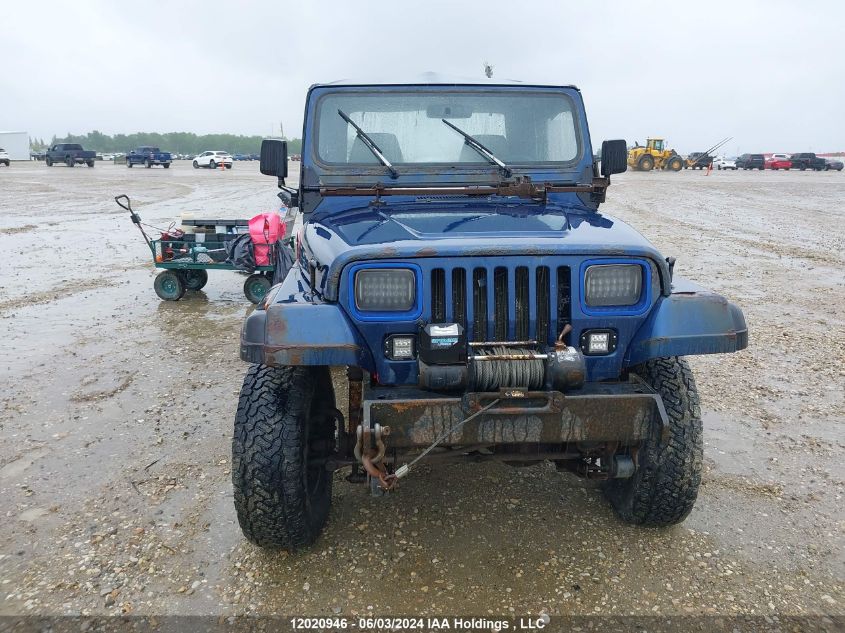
<point>599,412</point>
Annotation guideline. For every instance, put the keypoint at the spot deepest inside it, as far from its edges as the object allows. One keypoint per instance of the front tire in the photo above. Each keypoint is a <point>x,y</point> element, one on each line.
<point>196,165</point>
<point>646,162</point>
<point>675,163</point>
<point>49,161</point>
<point>148,164</point>
<point>283,433</point>
<point>129,164</point>
<point>664,487</point>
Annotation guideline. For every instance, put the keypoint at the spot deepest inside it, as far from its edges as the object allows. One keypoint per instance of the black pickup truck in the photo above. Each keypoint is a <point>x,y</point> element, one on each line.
<point>751,161</point>
<point>70,154</point>
<point>807,160</point>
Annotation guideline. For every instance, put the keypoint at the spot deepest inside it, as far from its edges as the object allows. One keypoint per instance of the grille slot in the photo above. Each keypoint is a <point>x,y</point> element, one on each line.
<point>504,302</point>
<point>543,304</point>
<point>479,304</point>
<point>438,295</point>
<point>564,299</point>
<point>500,304</point>
<point>523,307</point>
<point>459,296</point>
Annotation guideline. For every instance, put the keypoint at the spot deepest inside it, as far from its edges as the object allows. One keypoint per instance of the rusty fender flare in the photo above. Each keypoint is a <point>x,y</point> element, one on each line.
<point>691,321</point>
<point>296,330</point>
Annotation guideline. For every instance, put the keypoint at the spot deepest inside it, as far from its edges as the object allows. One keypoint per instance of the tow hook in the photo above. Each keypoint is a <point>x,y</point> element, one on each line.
<point>372,458</point>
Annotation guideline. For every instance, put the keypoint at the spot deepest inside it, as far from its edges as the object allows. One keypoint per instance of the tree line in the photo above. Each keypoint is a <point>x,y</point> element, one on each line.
<point>175,142</point>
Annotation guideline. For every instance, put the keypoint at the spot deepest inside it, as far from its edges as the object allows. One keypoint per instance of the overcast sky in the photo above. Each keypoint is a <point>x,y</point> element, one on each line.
<point>770,73</point>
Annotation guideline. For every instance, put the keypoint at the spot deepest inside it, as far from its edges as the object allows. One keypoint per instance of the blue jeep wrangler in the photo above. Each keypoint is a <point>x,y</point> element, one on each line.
<point>453,268</point>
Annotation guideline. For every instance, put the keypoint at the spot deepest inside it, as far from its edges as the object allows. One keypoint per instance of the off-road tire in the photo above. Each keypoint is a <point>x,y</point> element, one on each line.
<point>282,499</point>
<point>664,487</point>
<point>645,162</point>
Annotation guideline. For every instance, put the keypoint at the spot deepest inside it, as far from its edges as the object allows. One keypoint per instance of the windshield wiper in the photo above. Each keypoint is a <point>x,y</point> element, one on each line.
<point>370,143</point>
<point>478,147</point>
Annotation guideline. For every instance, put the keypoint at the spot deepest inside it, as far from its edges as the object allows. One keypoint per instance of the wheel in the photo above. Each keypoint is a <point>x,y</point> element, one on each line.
<point>256,287</point>
<point>663,489</point>
<point>49,161</point>
<point>90,163</point>
<point>212,164</point>
<point>169,285</point>
<point>802,167</point>
<point>283,432</point>
<point>194,279</point>
<point>148,164</point>
<point>646,162</point>
<point>6,163</point>
<point>228,166</point>
<point>166,165</point>
<point>196,165</point>
<point>675,163</point>
<point>128,163</point>
<point>719,167</point>
<point>70,162</point>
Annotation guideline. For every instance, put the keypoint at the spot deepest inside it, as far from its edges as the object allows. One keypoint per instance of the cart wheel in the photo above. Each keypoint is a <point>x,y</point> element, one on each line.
<point>256,287</point>
<point>169,285</point>
<point>194,279</point>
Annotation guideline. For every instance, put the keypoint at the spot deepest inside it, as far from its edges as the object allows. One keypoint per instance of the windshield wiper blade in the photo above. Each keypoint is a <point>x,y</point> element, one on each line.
<point>478,147</point>
<point>370,143</point>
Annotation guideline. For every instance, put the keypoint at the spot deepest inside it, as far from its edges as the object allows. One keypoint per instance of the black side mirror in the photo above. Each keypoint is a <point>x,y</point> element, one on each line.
<point>274,157</point>
<point>614,157</point>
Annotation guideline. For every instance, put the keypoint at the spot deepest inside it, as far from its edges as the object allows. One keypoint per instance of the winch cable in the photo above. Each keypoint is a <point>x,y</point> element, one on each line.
<point>404,470</point>
<point>492,375</point>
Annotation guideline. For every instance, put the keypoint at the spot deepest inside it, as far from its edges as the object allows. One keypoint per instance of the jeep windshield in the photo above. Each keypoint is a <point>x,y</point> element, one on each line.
<point>524,128</point>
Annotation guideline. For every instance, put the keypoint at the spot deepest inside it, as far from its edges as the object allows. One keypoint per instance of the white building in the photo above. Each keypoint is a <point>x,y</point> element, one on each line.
<point>16,143</point>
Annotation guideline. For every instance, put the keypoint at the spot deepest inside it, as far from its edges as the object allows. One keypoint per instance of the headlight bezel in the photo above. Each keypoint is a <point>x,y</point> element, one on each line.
<point>384,315</point>
<point>633,309</point>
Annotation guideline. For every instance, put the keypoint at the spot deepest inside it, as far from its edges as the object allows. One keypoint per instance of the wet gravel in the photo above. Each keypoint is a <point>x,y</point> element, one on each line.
<point>116,411</point>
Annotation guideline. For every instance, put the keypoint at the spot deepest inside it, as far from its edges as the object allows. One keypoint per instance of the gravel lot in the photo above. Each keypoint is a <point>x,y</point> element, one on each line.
<point>116,413</point>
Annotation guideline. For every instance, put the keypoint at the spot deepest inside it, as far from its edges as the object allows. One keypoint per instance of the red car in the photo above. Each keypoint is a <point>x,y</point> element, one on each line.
<point>776,162</point>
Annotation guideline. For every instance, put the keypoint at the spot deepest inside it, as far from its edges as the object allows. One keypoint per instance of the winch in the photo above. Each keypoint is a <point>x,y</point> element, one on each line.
<point>447,362</point>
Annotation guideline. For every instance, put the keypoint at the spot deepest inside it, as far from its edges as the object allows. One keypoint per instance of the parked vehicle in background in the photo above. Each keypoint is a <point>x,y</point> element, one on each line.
<point>698,160</point>
<point>240,157</point>
<point>4,157</point>
<point>254,157</point>
<point>751,161</point>
<point>807,160</point>
<point>213,159</point>
<point>71,154</point>
<point>724,163</point>
<point>833,163</point>
<point>148,156</point>
<point>775,163</point>
<point>108,156</point>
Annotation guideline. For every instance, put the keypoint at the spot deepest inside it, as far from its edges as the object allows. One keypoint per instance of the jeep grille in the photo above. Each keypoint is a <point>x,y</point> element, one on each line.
<point>507,303</point>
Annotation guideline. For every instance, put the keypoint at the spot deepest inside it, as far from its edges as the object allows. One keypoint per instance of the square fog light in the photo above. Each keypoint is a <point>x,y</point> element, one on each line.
<point>400,347</point>
<point>598,342</point>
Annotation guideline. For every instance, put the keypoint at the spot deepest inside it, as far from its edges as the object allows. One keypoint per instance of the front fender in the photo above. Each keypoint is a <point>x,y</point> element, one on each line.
<point>292,328</point>
<point>692,320</point>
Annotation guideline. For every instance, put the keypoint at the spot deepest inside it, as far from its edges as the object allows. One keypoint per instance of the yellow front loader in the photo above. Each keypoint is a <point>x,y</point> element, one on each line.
<point>654,156</point>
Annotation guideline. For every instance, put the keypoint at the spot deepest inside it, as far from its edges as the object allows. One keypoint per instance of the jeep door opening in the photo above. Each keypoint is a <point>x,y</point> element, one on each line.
<point>453,261</point>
